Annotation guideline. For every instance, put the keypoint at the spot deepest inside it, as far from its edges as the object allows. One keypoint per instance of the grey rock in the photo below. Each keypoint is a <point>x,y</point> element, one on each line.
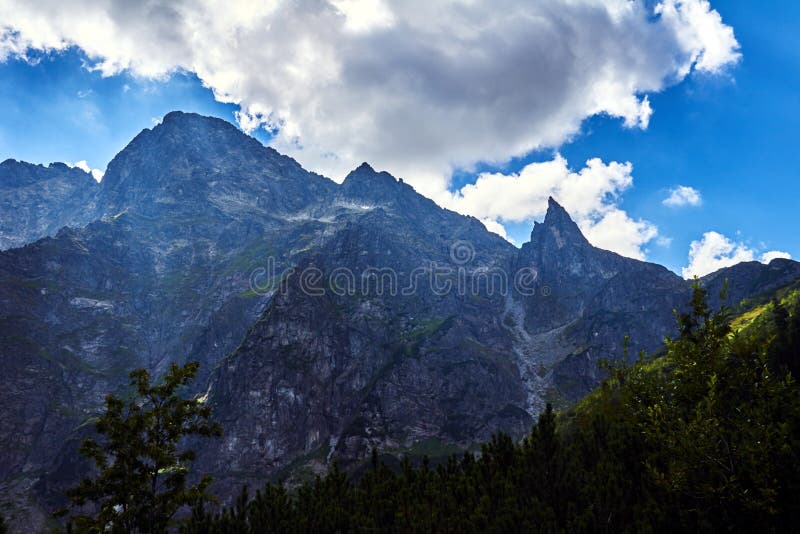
<point>37,201</point>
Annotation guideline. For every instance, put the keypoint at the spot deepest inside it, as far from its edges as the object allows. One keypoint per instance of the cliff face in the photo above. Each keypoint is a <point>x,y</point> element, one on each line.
<point>37,201</point>
<point>329,319</point>
<point>399,353</point>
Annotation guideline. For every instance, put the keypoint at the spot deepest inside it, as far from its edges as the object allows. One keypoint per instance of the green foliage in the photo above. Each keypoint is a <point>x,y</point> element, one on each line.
<point>141,466</point>
<point>719,432</point>
<point>784,352</point>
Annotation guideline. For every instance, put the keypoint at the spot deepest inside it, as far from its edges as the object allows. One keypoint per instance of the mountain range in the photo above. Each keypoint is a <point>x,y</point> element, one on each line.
<point>329,319</point>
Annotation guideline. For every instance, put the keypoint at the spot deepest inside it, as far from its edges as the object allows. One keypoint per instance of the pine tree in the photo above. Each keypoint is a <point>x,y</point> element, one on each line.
<point>142,466</point>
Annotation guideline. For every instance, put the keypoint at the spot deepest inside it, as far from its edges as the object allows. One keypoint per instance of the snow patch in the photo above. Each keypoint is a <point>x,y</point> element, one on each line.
<point>87,303</point>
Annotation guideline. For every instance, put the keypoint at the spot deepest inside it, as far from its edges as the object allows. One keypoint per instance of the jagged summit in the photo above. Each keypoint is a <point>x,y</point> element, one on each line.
<point>557,225</point>
<point>37,200</point>
<point>178,115</point>
<point>190,160</point>
<point>555,210</point>
<point>15,173</point>
<point>219,137</point>
<point>364,173</point>
<point>367,184</point>
<point>12,167</point>
<point>364,167</point>
<point>198,132</point>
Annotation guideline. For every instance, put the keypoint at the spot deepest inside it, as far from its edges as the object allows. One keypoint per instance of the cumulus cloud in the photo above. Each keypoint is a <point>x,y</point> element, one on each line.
<point>700,29</point>
<point>591,196</point>
<point>97,174</point>
<point>415,87</point>
<point>715,251</point>
<point>683,195</point>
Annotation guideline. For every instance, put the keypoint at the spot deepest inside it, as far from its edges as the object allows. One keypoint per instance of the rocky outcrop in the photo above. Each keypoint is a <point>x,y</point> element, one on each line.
<point>587,301</point>
<point>37,201</point>
<point>749,279</point>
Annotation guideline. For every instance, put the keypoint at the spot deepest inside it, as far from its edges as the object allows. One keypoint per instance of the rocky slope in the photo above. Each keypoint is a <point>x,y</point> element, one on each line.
<point>329,318</point>
<point>37,201</point>
<point>390,359</point>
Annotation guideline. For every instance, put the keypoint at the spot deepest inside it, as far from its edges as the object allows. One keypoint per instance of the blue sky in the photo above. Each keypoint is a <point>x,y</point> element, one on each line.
<point>731,135</point>
<point>56,110</point>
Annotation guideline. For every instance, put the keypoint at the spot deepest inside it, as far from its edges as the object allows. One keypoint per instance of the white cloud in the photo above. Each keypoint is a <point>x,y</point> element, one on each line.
<point>700,29</point>
<point>774,254</point>
<point>683,195</point>
<point>365,15</point>
<point>494,226</point>
<point>715,251</point>
<point>97,174</point>
<point>418,88</point>
<point>590,195</point>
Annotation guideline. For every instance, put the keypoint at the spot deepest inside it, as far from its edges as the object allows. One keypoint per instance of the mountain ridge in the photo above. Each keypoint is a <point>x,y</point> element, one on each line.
<point>37,200</point>
<point>197,249</point>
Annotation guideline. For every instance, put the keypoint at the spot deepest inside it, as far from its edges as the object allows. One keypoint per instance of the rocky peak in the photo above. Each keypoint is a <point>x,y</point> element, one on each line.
<point>367,183</point>
<point>186,138</point>
<point>749,278</point>
<point>557,227</point>
<point>188,160</point>
<point>363,170</point>
<point>181,123</point>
